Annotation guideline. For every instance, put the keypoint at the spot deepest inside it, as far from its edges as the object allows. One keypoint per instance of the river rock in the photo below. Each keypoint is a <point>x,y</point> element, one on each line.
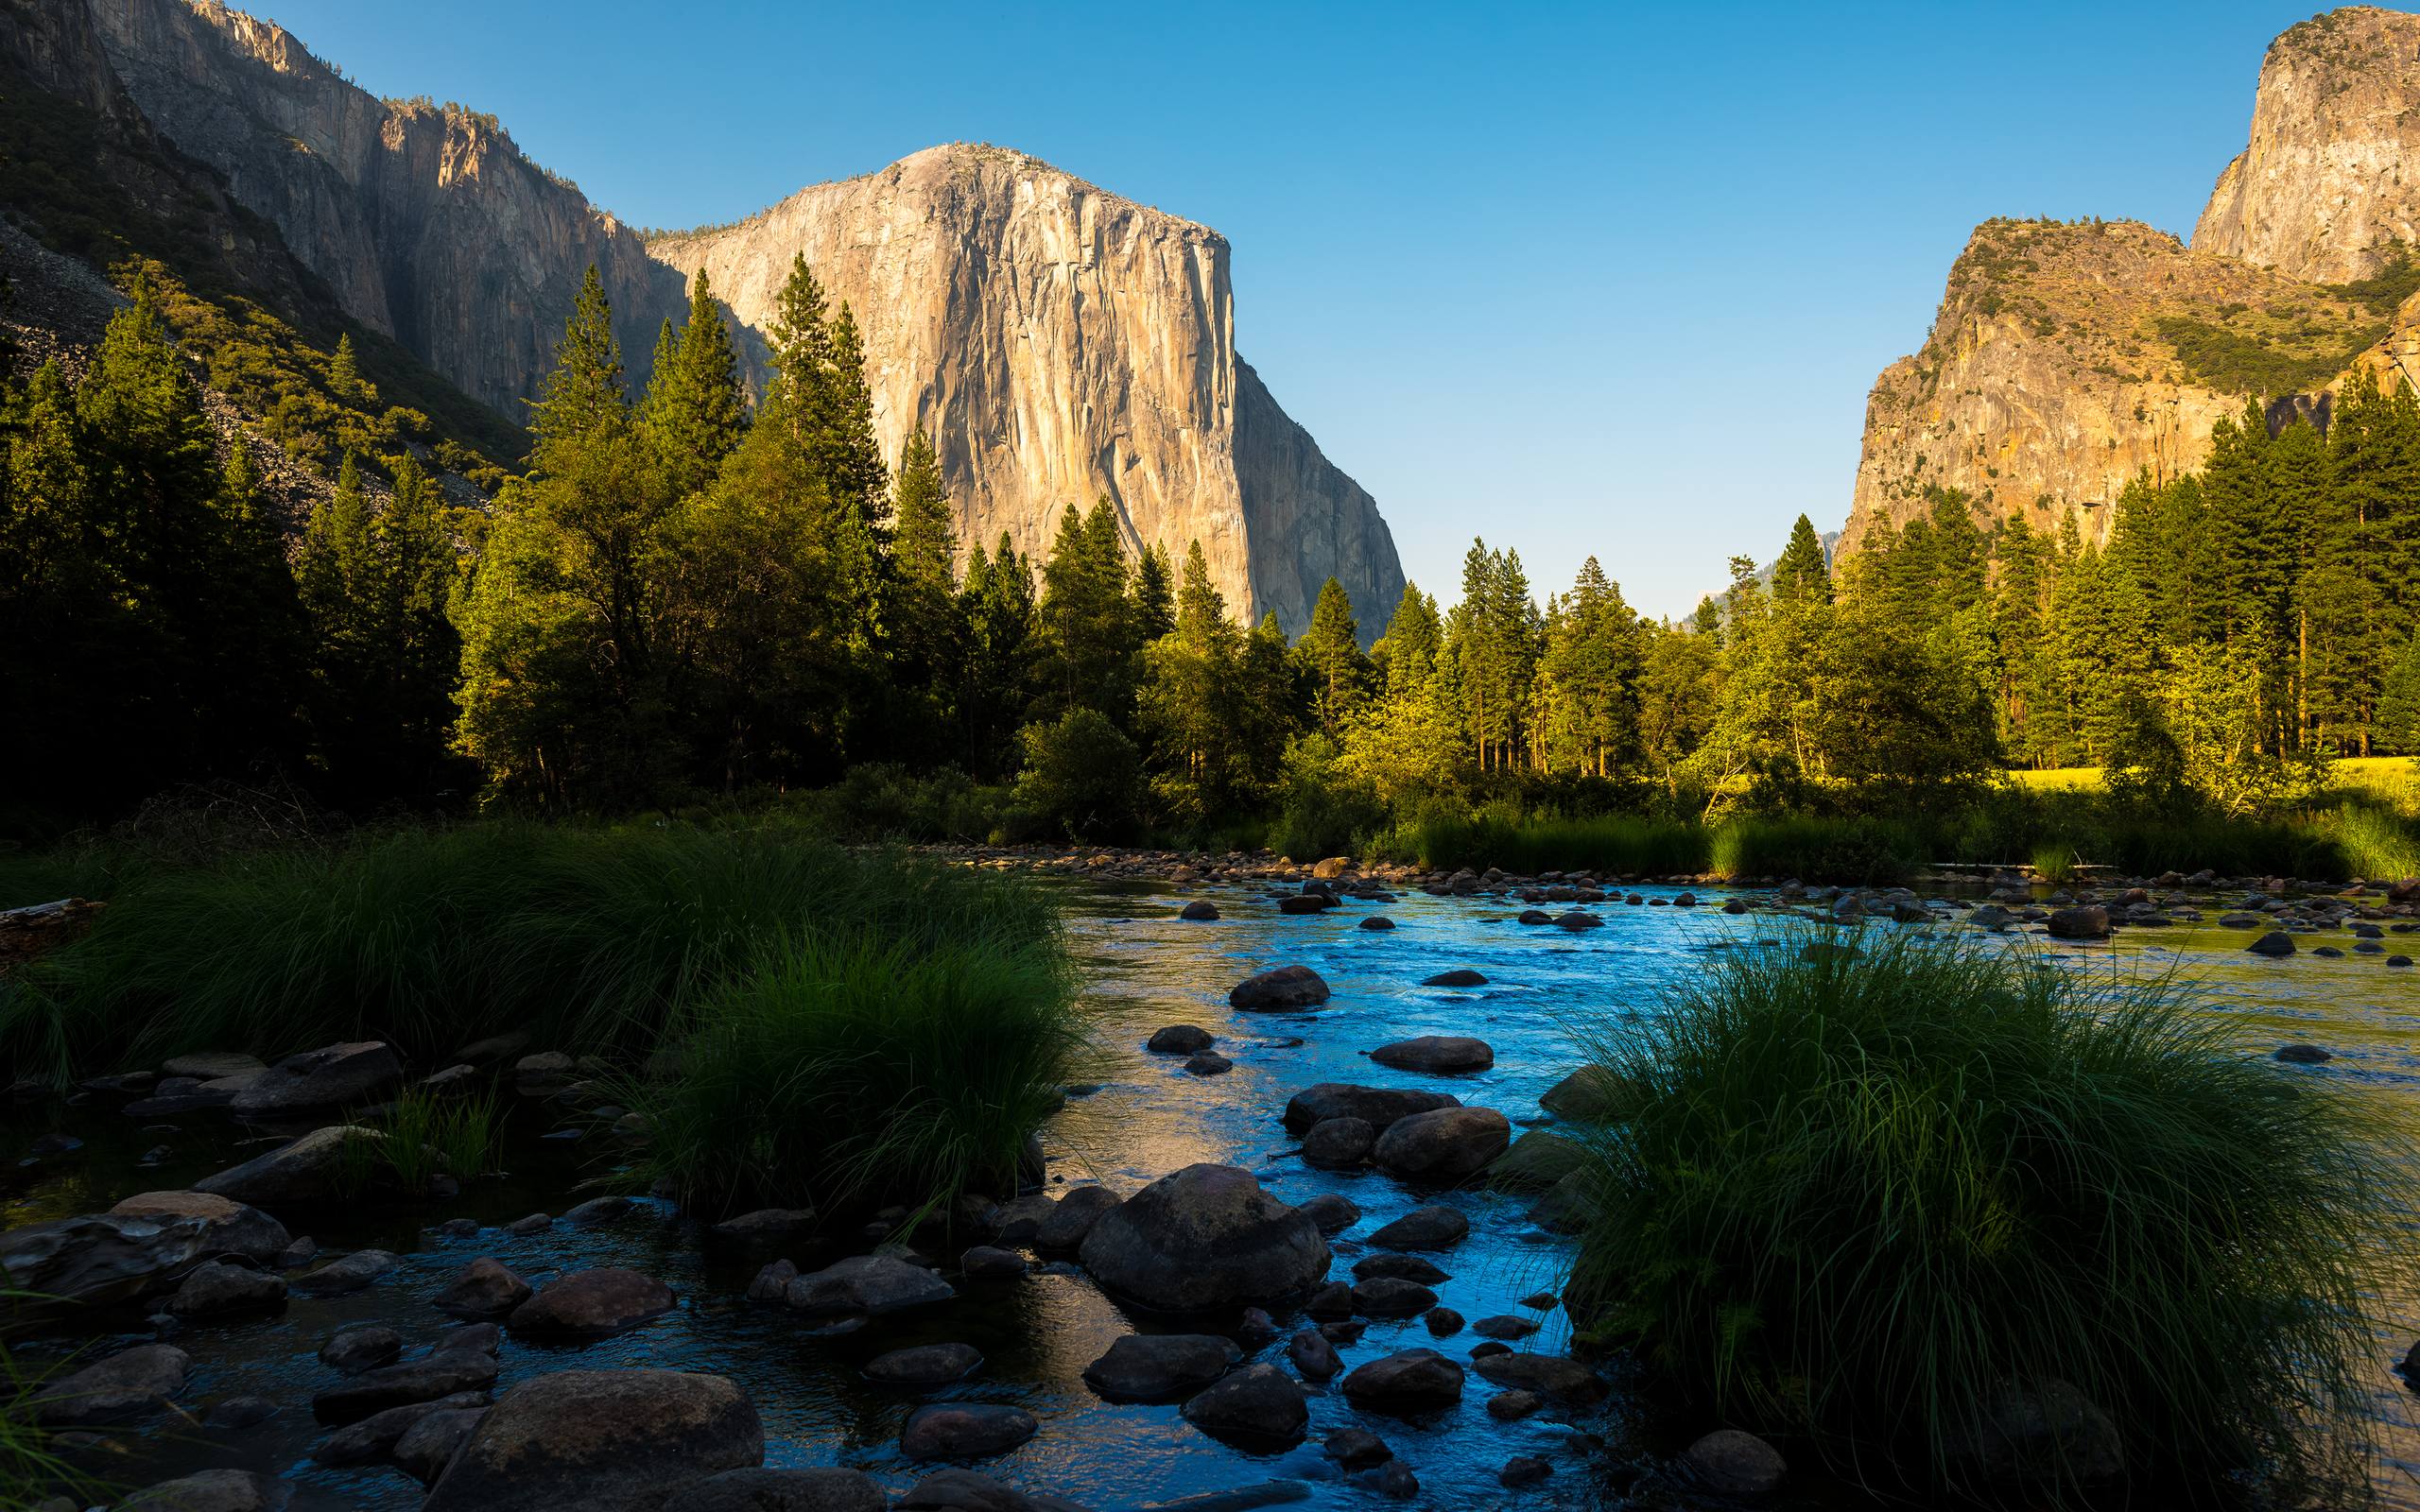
<point>1446,1145</point>
<point>129,1385</point>
<point>1408,1381</point>
<point>1431,1227</point>
<point>429,1445</point>
<point>924,1365</point>
<point>1181,1039</point>
<point>220,1490</point>
<point>984,1262</point>
<point>1020,1218</point>
<point>1538,1160</point>
<point>2090,922</point>
<point>825,1489</point>
<point>1391,1296</point>
<point>360,1348</point>
<point>443,1374</point>
<point>485,1288</point>
<point>308,1170</point>
<point>350,1274</point>
<point>602,1441</point>
<point>1073,1217</point>
<point>1509,1406</point>
<point>1278,990</point>
<point>1209,1063</point>
<point>1588,1095</point>
<point>1730,1462</point>
<point>1308,902</point>
<point>210,1065</point>
<point>1442,1055</point>
<point>140,1245</point>
<point>597,1211</point>
<point>1338,1143</point>
<point>1314,1357</point>
<point>1504,1326</point>
<point>217,1289</point>
<point>1205,1236</point>
<point>1332,1213</point>
<point>1160,1366</point>
<point>591,1304</point>
<point>955,1489</point>
<point>2303,1054</point>
<point>871,1284</point>
<point>1548,1375</point>
<point>1379,1106</point>
<point>1356,1449</point>
<point>1577,920</point>
<point>1200,911</point>
<point>2276,942</point>
<point>1401,1267</point>
<point>1258,1404</point>
<point>1459,976</point>
<point>2045,1431</point>
<point>768,1226</point>
<point>964,1430</point>
<point>341,1075</point>
<point>1523,1469</point>
<point>1378,923</point>
<point>374,1437</point>
<point>772,1282</point>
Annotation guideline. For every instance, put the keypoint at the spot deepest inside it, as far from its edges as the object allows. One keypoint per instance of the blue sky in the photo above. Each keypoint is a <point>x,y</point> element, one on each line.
<point>1595,280</point>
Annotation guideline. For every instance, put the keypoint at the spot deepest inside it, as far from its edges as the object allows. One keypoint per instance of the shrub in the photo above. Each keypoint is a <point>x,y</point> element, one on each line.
<point>1081,773</point>
<point>424,1135</point>
<point>1818,848</point>
<point>1851,1196</point>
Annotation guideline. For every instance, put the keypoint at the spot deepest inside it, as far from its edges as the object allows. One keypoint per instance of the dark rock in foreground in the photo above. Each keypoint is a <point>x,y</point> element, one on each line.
<point>1423,1228</point>
<point>1730,1462</point>
<point>964,1430</point>
<point>1442,1055</point>
<point>1160,1366</point>
<point>129,1385</point>
<point>1377,1107</point>
<point>1258,1405</point>
<point>137,1246</point>
<point>1445,1145</point>
<point>872,1284</point>
<point>924,1365</point>
<point>600,1441</point>
<point>1410,1381</point>
<point>827,1489</point>
<point>1206,1236</point>
<point>342,1075</point>
<point>1278,990</point>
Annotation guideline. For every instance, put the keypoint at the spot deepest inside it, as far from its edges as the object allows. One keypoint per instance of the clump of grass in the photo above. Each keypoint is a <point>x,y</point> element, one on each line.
<point>32,1469</point>
<point>860,1067</point>
<point>2377,841</point>
<point>2056,863</point>
<point>599,940</point>
<point>422,1135</point>
<point>1818,848</point>
<point>1621,843</point>
<point>1850,1196</point>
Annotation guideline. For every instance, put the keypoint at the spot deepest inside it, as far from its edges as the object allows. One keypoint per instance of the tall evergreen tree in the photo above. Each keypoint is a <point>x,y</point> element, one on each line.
<point>1803,569</point>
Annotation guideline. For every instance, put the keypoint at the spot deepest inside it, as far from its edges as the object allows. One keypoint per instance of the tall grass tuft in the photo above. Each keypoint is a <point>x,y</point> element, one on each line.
<point>1849,1197</point>
<point>854,1068</point>
<point>423,1135</point>
<point>597,939</point>
<point>32,1469</point>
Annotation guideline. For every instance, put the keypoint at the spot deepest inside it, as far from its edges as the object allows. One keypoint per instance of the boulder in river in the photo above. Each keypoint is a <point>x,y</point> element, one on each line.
<point>2276,943</point>
<point>1160,1366</point>
<point>1338,1143</point>
<point>1730,1463</point>
<point>349,1274</point>
<point>1280,989</point>
<point>1446,1144</point>
<point>1444,1054</point>
<point>2088,922</point>
<point>426,1448</point>
<point>1205,1236</point>
<point>219,1490</point>
<point>592,1304</point>
<point>485,1288</point>
<point>824,1488</point>
<point>1200,911</point>
<point>1332,1213</point>
<point>1258,1405</point>
<point>1408,1381</point>
<point>1379,1106</point>
<point>375,1438</point>
<point>959,1489</point>
<point>1314,1357</point>
<point>924,1365</point>
<point>602,1441</point>
<point>1431,1227</point>
<point>1073,1216</point>
<point>308,1170</point>
<point>444,1373</point>
<point>361,1347</point>
<point>1550,1375</point>
<point>1181,1039</point>
<point>140,1245</point>
<point>1459,976</point>
<point>341,1076</point>
<point>1538,1160</point>
<point>217,1289</point>
<point>964,1430</point>
<point>129,1385</point>
<point>871,1284</point>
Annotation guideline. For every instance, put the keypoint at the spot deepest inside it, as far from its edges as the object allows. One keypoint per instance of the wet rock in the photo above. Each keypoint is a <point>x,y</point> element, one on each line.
<point>298,1254</point>
<point>772,1283</point>
<point>217,1289</point>
<point>341,1075</point>
<point>1020,1220</point>
<point>429,1445</point>
<point>1073,1217</point>
<point>1338,1143</point>
<point>360,1348</point>
<point>1379,1106</point>
<point>964,1430</point>
<point>602,1441</point>
<point>536,1223</point>
<point>1730,1462</point>
<point>1576,920</point>
<point>1441,1054</point>
<point>308,1170</point>
<point>350,1274</point>
<point>868,1284</point>
<point>1205,1236</point>
<point>2088,922</point>
<point>1568,1206</point>
<point>129,1385</point>
<point>1278,990</point>
<point>1459,976</point>
<point>2043,1431</point>
<point>374,1437</point>
<point>137,1246</point>
<point>1331,1213</point>
<point>1333,1300</point>
<point>220,1490</point>
<point>210,1065</point>
<point>1588,1095</point>
<point>235,1414</point>
<point>453,1081</point>
<point>544,1073</point>
<point>1538,1160</point>
<point>768,1226</point>
<point>1548,1375</point>
<point>1377,922</point>
<point>1209,1063</point>
<point>1402,1267</point>
<point>1311,902</point>
<point>1523,1469</point>
<point>1389,1296</point>
<point>983,1263</point>
<point>494,1050</point>
<point>2276,943</point>
<point>1409,1381</point>
<point>822,1490</point>
<point>1392,1479</point>
<point>1444,1322</point>
<point>591,1304</point>
<point>1543,1301</point>
<point>428,1379</point>
<point>1314,1357</point>
<point>1431,1227</point>
<point>1160,1366</point>
<point>1181,1039</point>
<point>924,1365</point>
<point>1535,917</point>
<point>1446,1145</point>
<point>2303,1054</point>
<point>597,1211</point>
<point>485,1288</point>
<point>963,1490</point>
<point>1258,1404</point>
<point>1507,1407</point>
<point>1200,911</point>
<point>1356,1449</point>
<point>1504,1326</point>
<point>457,1229</point>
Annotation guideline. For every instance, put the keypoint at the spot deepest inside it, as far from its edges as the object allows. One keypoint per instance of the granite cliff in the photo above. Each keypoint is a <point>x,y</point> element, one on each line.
<point>1058,343</point>
<point>2068,358</point>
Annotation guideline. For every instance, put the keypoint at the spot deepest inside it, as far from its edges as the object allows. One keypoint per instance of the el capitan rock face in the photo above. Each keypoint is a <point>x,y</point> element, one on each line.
<point>1061,343</point>
<point>2322,192</point>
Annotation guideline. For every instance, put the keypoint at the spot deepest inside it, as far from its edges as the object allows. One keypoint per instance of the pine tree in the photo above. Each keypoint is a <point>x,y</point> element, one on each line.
<point>1803,569</point>
<point>695,409</point>
<point>345,378</point>
<point>580,400</point>
<point>1330,660</point>
<point>1154,594</point>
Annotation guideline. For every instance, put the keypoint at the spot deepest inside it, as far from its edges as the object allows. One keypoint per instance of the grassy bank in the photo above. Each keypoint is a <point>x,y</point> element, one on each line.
<point>1847,1198</point>
<point>739,976</point>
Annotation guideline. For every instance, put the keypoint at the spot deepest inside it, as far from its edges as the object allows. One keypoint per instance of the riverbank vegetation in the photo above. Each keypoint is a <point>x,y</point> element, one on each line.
<point>1861,1197</point>
<point>690,601</point>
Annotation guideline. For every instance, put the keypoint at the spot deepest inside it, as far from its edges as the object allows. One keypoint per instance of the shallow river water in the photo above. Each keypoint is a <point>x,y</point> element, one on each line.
<point>1148,1117</point>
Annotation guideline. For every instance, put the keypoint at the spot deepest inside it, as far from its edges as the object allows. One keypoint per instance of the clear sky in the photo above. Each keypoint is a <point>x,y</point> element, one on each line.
<point>1586,280</point>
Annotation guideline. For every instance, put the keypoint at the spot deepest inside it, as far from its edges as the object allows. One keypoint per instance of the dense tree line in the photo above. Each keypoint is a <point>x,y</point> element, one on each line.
<point>689,594</point>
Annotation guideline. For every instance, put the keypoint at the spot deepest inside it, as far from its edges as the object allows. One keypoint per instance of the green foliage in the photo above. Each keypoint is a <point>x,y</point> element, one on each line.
<point>883,800</point>
<point>419,1137</point>
<point>2260,362</point>
<point>31,1467</point>
<point>850,1067</point>
<point>1850,1196</point>
<point>1082,776</point>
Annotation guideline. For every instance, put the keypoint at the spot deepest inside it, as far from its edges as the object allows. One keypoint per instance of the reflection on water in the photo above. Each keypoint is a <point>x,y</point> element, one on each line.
<point>1148,1117</point>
